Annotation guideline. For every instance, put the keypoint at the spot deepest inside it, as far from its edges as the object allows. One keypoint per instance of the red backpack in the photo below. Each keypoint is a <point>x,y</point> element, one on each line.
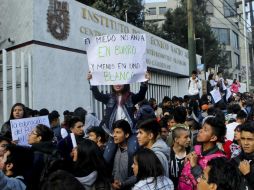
<point>186,179</point>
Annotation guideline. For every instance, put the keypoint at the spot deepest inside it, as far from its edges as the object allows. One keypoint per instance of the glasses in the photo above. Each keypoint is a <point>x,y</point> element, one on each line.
<point>33,133</point>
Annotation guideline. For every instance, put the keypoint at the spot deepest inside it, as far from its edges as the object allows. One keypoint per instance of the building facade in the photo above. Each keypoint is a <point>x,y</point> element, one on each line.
<point>227,22</point>
<point>44,61</point>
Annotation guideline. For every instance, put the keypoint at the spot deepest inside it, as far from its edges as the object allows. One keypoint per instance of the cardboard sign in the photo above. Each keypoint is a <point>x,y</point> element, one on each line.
<point>21,128</point>
<point>117,58</point>
<point>229,93</point>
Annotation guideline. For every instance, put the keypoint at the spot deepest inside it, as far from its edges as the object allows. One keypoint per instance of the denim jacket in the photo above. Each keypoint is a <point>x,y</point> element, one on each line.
<point>110,100</point>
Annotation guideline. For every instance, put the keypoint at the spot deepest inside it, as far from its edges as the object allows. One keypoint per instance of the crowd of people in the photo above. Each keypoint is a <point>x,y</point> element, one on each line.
<point>182,143</point>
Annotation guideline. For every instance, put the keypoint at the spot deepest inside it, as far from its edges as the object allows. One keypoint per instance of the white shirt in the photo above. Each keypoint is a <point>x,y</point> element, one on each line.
<point>223,84</point>
<point>193,86</point>
<point>213,82</point>
<point>119,112</point>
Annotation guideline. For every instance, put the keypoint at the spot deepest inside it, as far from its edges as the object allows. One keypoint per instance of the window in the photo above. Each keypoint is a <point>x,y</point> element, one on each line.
<point>162,10</point>
<point>152,11</point>
<point>228,59</point>
<point>209,7</point>
<point>237,61</point>
<point>222,35</point>
<point>235,42</point>
<point>229,8</point>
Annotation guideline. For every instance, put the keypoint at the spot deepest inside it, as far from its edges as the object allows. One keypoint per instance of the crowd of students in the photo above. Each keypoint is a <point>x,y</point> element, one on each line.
<point>182,143</point>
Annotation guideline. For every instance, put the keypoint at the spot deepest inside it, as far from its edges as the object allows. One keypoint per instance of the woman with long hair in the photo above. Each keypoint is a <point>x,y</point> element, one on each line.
<point>18,111</point>
<point>149,172</point>
<point>119,105</point>
<point>90,167</point>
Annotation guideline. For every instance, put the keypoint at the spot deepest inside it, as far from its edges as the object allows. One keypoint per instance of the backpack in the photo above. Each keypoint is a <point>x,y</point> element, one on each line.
<point>186,179</point>
<point>52,162</point>
<point>145,111</point>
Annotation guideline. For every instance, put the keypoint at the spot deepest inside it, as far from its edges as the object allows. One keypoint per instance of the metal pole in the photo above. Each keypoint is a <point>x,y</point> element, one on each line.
<point>126,15</point>
<point>191,34</point>
<point>22,78</point>
<point>245,46</point>
<point>204,61</point>
<point>30,103</point>
<point>252,45</point>
<point>4,85</point>
<point>14,79</point>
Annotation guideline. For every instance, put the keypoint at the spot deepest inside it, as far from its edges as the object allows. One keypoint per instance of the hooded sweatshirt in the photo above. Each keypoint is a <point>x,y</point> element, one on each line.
<point>162,151</point>
<point>11,183</point>
<point>89,180</point>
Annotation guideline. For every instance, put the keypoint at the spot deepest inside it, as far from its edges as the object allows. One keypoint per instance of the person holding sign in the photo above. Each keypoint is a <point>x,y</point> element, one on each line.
<point>18,111</point>
<point>76,127</point>
<point>119,105</point>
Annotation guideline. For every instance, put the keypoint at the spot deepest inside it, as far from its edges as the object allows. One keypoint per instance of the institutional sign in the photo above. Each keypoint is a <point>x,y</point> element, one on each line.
<point>58,19</point>
<point>88,22</point>
<point>161,54</point>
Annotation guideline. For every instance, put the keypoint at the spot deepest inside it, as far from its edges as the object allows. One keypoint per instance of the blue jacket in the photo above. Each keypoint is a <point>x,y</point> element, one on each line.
<point>11,183</point>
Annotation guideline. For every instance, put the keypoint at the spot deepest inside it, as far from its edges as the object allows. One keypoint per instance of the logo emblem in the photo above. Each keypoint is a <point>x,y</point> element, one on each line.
<point>58,19</point>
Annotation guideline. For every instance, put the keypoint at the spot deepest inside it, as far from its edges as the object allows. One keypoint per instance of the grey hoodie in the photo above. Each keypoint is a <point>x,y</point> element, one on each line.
<point>162,151</point>
<point>88,181</point>
<point>11,183</point>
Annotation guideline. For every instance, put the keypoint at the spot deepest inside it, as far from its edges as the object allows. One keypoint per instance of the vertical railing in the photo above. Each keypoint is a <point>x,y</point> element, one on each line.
<point>14,78</point>
<point>22,71</point>
<point>4,54</point>
<point>18,79</point>
<point>30,98</point>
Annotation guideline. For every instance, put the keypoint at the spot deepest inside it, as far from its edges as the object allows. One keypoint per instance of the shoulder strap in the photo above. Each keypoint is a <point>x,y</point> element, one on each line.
<point>211,156</point>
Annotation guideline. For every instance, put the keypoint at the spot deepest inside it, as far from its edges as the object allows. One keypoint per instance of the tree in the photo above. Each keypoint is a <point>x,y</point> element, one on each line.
<point>175,29</point>
<point>87,2</point>
<point>119,8</point>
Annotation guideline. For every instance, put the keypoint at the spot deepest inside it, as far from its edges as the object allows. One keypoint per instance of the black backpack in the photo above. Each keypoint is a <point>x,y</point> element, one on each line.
<point>52,162</point>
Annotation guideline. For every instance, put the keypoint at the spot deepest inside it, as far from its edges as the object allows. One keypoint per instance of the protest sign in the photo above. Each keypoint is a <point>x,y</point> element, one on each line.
<point>229,93</point>
<point>117,58</point>
<point>21,128</point>
<point>73,140</point>
<point>216,95</point>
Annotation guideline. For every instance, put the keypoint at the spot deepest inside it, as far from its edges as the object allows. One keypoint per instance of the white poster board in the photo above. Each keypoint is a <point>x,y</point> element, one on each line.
<point>216,95</point>
<point>229,93</point>
<point>117,58</point>
<point>21,128</point>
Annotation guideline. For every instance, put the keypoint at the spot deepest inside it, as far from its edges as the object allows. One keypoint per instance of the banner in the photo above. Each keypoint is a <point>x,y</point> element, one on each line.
<point>21,128</point>
<point>117,58</point>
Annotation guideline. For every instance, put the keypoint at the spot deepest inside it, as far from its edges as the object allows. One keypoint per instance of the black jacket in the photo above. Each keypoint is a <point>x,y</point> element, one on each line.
<point>250,176</point>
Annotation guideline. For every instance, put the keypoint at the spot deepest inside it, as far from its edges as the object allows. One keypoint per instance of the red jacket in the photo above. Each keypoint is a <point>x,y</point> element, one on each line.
<point>235,87</point>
